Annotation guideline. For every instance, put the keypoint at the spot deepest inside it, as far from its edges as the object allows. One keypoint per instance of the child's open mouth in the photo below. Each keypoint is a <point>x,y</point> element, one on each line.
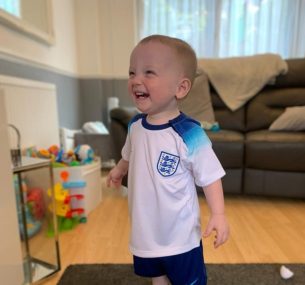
<point>141,95</point>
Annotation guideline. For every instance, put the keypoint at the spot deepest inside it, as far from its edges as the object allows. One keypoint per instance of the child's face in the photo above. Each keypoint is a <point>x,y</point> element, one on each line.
<point>154,78</point>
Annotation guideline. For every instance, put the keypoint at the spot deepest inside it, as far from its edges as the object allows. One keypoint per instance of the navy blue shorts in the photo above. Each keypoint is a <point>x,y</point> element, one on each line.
<point>182,269</point>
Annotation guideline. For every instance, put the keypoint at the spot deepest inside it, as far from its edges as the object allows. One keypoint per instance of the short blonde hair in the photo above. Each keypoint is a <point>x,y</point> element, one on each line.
<point>185,53</point>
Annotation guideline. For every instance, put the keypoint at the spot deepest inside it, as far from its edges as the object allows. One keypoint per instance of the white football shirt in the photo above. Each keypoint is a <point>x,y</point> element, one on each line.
<point>165,162</point>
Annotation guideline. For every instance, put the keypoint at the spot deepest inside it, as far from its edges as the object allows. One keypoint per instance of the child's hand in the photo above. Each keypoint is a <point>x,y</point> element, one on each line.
<point>117,173</point>
<point>218,223</point>
<point>114,178</point>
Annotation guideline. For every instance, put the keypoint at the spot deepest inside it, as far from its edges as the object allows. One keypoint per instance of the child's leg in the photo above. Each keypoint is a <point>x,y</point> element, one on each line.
<point>186,268</point>
<point>162,280</point>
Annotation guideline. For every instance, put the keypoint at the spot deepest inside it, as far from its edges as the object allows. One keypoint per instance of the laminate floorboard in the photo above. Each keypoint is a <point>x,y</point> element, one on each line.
<point>263,230</point>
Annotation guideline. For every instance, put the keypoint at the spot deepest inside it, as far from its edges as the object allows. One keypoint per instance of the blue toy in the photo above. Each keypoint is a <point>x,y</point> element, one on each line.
<point>84,153</point>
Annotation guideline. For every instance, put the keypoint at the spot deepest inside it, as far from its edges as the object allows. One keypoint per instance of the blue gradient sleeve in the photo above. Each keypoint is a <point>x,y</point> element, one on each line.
<point>192,134</point>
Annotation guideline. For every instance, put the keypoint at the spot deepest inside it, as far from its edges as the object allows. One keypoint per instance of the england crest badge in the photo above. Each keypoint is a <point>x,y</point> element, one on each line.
<point>167,163</point>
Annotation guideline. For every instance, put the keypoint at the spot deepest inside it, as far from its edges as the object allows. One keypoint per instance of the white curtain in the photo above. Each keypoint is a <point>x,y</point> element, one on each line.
<point>223,28</point>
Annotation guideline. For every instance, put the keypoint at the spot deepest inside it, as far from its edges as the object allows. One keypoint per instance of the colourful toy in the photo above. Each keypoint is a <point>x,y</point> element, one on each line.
<point>56,164</point>
<point>65,159</point>
<point>65,221</point>
<point>33,224</point>
<point>84,153</point>
<point>54,149</point>
<point>68,157</point>
<point>36,203</point>
<point>30,151</point>
<point>61,208</point>
<point>59,155</point>
<point>64,175</point>
<point>68,216</point>
<point>44,153</point>
<point>75,163</point>
<point>63,199</point>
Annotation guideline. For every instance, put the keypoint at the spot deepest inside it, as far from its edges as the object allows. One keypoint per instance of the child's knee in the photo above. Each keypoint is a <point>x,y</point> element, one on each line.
<point>162,280</point>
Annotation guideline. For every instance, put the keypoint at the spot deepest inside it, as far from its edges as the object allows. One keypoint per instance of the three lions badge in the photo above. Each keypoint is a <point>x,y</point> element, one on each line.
<point>167,163</point>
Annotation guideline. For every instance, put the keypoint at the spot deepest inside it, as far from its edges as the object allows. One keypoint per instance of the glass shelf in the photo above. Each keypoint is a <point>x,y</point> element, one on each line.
<point>30,163</point>
<point>37,223</point>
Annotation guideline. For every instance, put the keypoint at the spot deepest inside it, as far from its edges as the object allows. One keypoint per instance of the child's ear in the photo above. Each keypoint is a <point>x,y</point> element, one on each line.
<point>183,88</point>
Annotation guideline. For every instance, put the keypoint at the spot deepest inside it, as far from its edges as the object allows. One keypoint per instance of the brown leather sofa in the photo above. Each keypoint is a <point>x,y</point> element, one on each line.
<point>257,160</point>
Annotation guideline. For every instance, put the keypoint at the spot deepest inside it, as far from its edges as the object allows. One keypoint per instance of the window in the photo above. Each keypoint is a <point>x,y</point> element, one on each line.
<point>32,18</point>
<point>11,7</point>
<point>223,28</point>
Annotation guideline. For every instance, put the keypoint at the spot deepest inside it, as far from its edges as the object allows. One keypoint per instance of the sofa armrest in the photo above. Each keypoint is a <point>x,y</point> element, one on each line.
<point>120,118</point>
<point>123,115</point>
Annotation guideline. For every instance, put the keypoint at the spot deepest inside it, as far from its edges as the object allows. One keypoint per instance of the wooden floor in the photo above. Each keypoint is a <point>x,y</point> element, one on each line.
<point>263,230</point>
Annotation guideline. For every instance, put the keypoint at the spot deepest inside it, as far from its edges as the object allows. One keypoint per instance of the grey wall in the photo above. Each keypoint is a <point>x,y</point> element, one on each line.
<point>95,93</point>
<point>79,100</point>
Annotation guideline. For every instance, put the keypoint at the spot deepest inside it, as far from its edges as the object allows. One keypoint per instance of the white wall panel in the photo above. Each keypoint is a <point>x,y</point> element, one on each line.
<point>32,107</point>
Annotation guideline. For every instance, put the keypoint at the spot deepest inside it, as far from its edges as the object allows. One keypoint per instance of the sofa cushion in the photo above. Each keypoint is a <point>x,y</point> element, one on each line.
<point>225,117</point>
<point>197,104</point>
<point>277,151</point>
<point>274,183</point>
<point>265,108</point>
<point>295,75</point>
<point>293,119</point>
<point>229,147</point>
<point>231,182</point>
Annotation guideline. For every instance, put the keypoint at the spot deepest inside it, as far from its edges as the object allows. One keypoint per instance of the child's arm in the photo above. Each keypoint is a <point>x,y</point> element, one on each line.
<point>217,221</point>
<point>117,173</point>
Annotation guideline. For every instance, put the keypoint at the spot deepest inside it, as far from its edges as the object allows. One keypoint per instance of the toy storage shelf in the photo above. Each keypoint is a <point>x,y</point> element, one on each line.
<point>40,251</point>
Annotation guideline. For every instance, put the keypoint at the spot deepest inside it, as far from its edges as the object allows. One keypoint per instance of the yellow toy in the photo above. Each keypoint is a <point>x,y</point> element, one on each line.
<point>62,202</point>
<point>61,196</point>
<point>67,217</point>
